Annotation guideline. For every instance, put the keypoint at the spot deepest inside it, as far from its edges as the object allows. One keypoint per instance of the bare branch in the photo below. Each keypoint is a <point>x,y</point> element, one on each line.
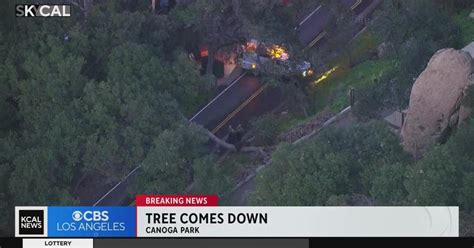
<point>216,139</point>
<point>231,147</point>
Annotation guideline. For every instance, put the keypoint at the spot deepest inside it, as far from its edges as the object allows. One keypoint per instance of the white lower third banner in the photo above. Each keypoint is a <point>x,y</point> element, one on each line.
<point>297,221</point>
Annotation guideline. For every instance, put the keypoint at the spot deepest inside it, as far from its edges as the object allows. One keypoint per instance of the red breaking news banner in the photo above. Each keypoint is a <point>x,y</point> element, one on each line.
<point>176,200</point>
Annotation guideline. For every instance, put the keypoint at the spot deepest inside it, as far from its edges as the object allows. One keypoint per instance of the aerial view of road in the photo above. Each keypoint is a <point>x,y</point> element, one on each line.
<point>254,103</point>
<point>244,99</point>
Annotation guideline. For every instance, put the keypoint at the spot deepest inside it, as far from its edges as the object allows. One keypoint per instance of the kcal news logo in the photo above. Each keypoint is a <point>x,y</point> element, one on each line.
<point>31,221</point>
<point>42,10</point>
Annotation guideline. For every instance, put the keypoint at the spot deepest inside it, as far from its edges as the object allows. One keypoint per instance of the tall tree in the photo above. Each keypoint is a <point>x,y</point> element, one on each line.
<point>443,176</point>
<point>388,185</point>
<point>168,167</point>
<point>416,29</point>
<point>215,21</point>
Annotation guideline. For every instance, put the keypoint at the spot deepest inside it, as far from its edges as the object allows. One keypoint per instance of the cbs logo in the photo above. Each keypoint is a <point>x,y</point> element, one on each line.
<point>90,215</point>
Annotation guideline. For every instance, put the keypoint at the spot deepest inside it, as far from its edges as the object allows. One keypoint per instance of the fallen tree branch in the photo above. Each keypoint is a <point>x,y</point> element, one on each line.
<point>231,147</point>
<point>219,141</point>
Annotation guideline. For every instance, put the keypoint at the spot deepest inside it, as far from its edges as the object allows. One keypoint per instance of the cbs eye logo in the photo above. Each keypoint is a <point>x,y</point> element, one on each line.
<point>90,216</point>
<point>77,216</point>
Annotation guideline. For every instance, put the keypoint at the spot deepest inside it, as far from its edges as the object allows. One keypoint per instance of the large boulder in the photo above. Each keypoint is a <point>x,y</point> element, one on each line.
<point>435,100</point>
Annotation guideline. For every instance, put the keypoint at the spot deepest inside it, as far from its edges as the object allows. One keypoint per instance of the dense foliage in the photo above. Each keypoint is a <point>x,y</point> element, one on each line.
<point>368,160</point>
<point>84,100</point>
<point>337,162</point>
<point>411,31</point>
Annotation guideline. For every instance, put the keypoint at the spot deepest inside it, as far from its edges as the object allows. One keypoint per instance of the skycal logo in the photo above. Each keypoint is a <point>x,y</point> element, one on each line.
<point>42,10</point>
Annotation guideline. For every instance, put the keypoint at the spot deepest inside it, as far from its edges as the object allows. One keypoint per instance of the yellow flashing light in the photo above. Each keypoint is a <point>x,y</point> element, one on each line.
<point>277,52</point>
<point>253,66</point>
<point>326,75</point>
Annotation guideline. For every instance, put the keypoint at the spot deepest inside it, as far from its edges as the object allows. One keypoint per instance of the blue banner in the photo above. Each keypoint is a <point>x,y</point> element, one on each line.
<point>92,222</point>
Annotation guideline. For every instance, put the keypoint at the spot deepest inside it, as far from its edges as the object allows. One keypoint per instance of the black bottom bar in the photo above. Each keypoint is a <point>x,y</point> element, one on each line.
<point>392,242</point>
<point>262,242</point>
<point>10,242</point>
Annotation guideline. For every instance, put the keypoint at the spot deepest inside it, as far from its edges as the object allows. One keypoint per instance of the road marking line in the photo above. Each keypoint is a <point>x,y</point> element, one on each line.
<point>215,98</point>
<point>118,184</point>
<point>237,110</point>
<point>356,4</point>
<point>307,17</point>
<point>318,38</point>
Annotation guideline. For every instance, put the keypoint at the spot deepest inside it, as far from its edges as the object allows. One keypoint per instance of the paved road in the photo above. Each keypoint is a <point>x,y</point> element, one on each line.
<point>224,104</point>
<point>266,100</point>
<point>362,6</point>
<point>238,103</point>
<point>313,25</point>
<point>243,100</point>
<point>311,29</point>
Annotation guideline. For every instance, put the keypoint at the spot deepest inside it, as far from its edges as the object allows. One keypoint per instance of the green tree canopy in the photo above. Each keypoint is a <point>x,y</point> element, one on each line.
<point>336,162</point>
<point>85,100</point>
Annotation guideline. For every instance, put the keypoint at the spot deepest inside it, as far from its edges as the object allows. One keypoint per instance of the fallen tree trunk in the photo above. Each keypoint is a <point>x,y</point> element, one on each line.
<point>219,141</point>
<point>232,147</point>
